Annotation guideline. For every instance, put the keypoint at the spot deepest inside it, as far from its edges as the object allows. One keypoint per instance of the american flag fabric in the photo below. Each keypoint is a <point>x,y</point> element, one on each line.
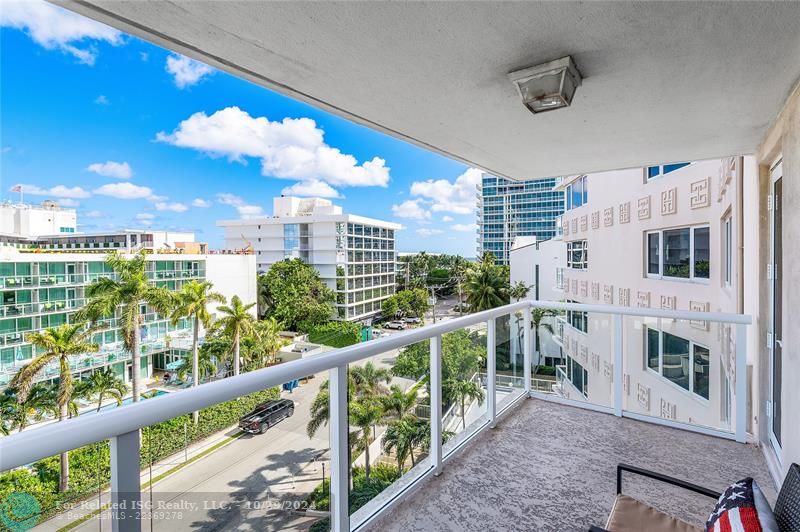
<point>735,510</point>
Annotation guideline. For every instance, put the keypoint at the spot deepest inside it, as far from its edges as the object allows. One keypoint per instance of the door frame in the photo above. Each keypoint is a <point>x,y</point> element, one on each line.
<point>775,173</point>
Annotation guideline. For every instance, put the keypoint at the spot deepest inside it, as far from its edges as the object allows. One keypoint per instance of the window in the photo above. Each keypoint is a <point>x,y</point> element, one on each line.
<point>577,193</point>
<point>577,255</point>
<point>679,253</point>
<point>578,376</point>
<point>578,319</point>
<point>727,250</point>
<point>663,169</point>
<point>682,362</point>
<point>560,278</point>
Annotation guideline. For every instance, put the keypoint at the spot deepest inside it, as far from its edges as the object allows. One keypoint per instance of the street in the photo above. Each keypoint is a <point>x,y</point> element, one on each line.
<point>253,483</point>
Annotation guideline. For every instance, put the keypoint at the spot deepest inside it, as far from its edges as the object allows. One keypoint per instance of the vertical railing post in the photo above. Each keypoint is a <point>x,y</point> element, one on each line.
<point>618,363</point>
<point>741,383</point>
<point>126,485</point>
<point>527,347</point>
<point>340,464</point>
<point>491,371</point>
<point>436,403</point>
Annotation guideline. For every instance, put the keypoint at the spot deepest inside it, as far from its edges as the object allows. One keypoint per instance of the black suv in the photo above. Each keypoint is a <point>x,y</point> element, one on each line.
<point>266,415</point>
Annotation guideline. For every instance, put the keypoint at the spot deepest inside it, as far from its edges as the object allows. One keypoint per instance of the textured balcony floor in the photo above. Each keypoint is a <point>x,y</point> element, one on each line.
<point>549,467</point>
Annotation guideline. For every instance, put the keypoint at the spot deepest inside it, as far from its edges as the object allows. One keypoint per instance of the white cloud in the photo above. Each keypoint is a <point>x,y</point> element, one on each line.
<point>319,189</point>
<point>457,197</point>
<point>186,71</point>
<point>464,228</point>
<point>58,191</point>
<point>293,148</point>
<point>144,56</point>
<point>173,207</point>
<point>411,209</point>
<point>425,232</point>
<point>245,210</point>
<point>67,202</point>
<point>145,218</point>
<point>55,28</point>
<point>447,218</point>
<point>112,169</point>
<point>102,100</point>
<point>92,214</point>
<point>125,190</point>
<point>200,202</point>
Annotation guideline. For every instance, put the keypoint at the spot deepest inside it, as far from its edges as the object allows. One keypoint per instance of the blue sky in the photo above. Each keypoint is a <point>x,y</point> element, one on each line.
<point>132,135</point>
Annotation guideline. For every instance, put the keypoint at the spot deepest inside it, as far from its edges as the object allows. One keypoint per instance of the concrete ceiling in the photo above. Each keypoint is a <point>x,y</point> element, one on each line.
<point>663,81</point>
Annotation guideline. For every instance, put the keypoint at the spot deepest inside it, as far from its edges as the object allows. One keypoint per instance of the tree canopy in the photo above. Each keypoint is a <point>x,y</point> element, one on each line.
<point>412,302</point>
<point>294,295</point>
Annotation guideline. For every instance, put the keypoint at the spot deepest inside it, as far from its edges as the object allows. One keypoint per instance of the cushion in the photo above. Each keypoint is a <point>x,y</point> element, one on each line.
<point>631,515</point>
<point>742,508</point>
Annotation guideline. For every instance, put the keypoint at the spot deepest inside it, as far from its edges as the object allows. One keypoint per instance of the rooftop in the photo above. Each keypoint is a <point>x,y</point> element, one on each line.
<point>551,467</point>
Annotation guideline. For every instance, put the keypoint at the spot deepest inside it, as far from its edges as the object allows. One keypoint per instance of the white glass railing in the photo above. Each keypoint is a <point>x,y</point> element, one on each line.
<point>500,392</point>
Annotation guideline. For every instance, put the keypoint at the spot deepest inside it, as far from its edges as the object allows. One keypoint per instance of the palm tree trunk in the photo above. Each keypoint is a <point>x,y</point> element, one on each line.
<point>135,363</point>
<point>99,401</point>
<point>236,354</point>
<point>463,414</point>
<point>366,453</point>
<point>195,365</point>
<point>63,483</point>
<point>411,453</point>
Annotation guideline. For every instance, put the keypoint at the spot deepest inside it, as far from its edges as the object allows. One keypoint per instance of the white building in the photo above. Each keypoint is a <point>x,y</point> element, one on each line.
<point>355,256</point>
<point>540,265</point>
<point>25,220</point>
<point>667,236</point>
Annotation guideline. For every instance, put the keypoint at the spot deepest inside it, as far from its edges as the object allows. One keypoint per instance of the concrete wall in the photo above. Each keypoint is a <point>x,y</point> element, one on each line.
<point>782,142</point>
<point>233,275</point>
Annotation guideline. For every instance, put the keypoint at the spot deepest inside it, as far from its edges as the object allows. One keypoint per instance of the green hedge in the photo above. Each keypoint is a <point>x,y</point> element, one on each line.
<point>336,334</point>
<point>90,465</point>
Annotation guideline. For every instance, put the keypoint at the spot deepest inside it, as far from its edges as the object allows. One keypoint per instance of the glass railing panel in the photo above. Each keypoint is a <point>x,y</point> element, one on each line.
<point>680,371</point>
<point>509,347</point>
<point>574,356</point>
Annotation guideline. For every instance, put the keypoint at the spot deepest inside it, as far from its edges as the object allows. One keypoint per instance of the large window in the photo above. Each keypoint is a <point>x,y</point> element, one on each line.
<point>683,362</point>
<point>679,253</point>
<point>560,278</point>
<point>577,193</point>
<point>577,255</point>
<point>578,319</point>
<point>663,169</point>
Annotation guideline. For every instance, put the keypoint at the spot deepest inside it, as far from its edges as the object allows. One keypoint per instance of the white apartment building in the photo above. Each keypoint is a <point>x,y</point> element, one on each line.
<point>355,256</point>
<point>27,220</point>
<point>667,236</point>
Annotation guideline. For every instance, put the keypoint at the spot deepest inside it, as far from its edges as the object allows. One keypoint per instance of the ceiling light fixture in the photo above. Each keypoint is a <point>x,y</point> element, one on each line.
<point>547,86</point>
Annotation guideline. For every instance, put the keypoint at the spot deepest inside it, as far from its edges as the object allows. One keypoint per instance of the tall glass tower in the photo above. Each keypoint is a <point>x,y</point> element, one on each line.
<point>508,209</point>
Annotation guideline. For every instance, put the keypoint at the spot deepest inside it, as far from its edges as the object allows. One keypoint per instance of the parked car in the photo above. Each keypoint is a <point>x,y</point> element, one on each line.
<point>413,321</point>
<point>266,415</point>
<point>399,325</point>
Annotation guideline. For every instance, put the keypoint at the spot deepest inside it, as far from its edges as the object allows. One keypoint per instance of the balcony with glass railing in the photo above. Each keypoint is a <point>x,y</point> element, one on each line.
<point>497,448</point>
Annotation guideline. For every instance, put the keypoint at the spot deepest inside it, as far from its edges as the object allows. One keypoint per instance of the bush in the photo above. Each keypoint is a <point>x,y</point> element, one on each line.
<point>90,465</point>
<point>381,476</point>
<point>336,334</point>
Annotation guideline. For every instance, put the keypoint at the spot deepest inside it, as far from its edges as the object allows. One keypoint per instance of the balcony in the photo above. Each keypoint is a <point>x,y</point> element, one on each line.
<point>551,467</point>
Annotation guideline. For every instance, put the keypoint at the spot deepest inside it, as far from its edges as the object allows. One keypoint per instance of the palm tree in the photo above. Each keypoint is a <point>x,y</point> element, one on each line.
<point>399,404</point>
<point>458,272</point>
<point>399,437</point>
<point>370,380</point>
<point>57,344</point>
<point>267,340</point>
<point>264,299</point>
<point>103,384</point>
<point>462,390</point>
<point>364,415</point>
<point>206,365</point>
<point>126,292</point>
<point>537,323</point>
<point>7,411</point>
<point>236,323</point>
<point>20,410</point>
<point>487,285</point>
<point>192,302</point>
<point>519,291</point>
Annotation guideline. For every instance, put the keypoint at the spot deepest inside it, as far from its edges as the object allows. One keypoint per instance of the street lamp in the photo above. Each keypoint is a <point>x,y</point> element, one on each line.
<point>547,86</point>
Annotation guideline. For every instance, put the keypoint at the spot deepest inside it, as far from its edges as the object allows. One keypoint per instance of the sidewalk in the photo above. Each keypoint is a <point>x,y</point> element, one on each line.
<point>195,451</point>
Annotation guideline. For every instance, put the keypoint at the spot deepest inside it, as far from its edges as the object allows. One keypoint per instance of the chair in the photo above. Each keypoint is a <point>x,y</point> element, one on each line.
<point>629,514</point>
